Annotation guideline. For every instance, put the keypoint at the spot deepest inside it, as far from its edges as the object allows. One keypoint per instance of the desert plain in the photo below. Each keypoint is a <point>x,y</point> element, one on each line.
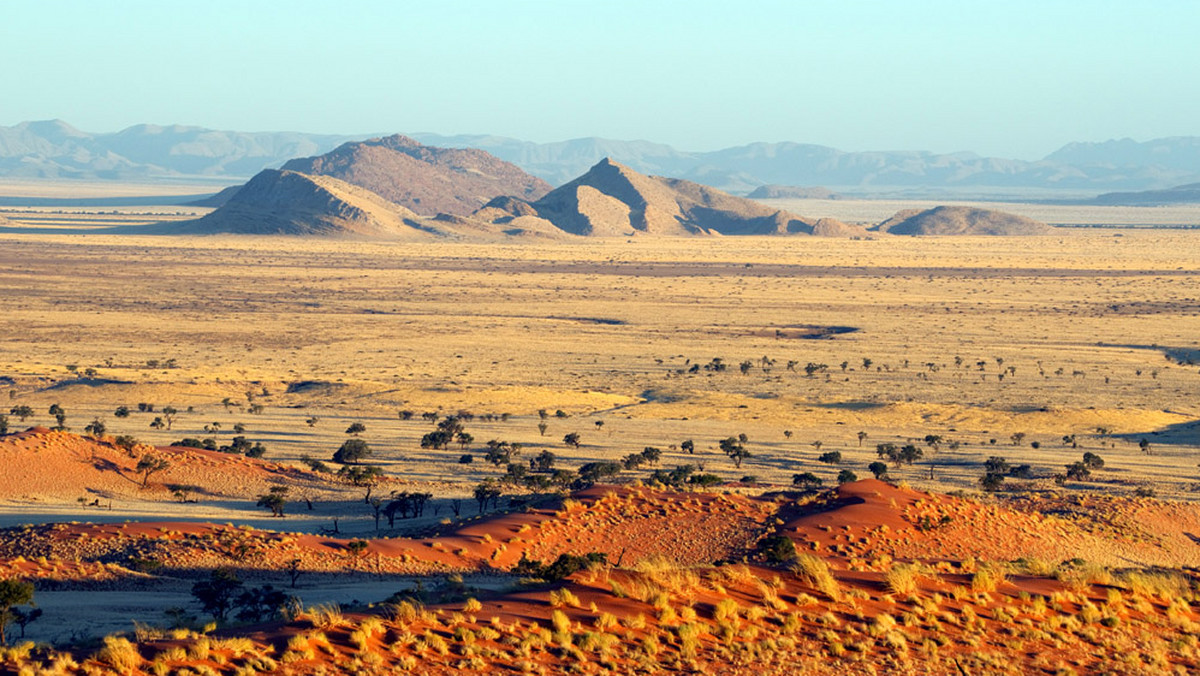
<point>1036,350</point>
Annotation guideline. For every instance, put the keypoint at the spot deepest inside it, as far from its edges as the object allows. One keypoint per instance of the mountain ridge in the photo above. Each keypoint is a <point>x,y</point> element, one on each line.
<point>55,149</point>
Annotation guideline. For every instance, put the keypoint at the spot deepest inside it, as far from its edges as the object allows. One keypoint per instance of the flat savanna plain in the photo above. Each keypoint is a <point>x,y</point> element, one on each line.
<point>971,339</point>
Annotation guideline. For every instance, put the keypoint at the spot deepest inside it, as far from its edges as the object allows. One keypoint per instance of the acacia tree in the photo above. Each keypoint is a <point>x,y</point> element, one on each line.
<point>274,500</point>
<point>150,464</point>
<point>572,439</point>
<point>13,592</point>
<point>95,429</point>
<point>736,450</point>
<point>488,490</point>
<point>22,412</point>
<point>363,477</point>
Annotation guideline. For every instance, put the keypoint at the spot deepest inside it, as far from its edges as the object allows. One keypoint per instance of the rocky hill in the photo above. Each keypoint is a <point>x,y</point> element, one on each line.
<point>613,200</point>
<point>424,179</point>
<point>961,221</point>
<point>289,203</point>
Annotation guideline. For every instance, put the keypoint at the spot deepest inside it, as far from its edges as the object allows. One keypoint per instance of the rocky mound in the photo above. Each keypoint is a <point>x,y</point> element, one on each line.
<point>962,221</point>
<point>421,178</point>
<point>831,227</point>
<point>799,192</point>
<point>288,203</point>
<point>613,200</point>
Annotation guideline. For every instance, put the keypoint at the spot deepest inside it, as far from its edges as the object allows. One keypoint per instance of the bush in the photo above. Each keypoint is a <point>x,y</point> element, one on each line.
<point>846,476</point>
<point>352,451</point>
<point>778,549</point>
<point>563,566</point>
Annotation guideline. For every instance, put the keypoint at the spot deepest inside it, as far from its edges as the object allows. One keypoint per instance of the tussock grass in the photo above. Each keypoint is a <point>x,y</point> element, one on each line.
<point>816,572</point>
<point>903,578</point>
<point>119,653</point>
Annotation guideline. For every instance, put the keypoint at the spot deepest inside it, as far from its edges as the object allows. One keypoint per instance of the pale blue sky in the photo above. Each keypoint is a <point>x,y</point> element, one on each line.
<point>1009,78</point>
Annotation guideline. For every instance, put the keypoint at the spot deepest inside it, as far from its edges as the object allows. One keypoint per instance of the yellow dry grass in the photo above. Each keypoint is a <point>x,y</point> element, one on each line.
<point>1080,325</point>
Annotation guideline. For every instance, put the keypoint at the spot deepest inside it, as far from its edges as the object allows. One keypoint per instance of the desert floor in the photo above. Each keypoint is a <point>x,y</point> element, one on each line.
<point>1091,333</point>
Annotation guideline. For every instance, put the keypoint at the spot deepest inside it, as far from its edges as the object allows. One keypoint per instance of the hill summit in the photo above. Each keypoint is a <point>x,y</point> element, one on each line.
<point>613,200</point>
<point>423,179</point>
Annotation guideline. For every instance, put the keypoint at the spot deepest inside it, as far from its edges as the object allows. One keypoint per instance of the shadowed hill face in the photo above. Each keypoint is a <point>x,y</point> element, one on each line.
<point>613,200</point>
<point>963,221</point>
<point>288,203</point>
<point>425,179</point>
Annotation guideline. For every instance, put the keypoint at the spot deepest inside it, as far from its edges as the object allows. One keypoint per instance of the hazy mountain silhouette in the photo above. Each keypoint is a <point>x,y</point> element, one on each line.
<point>55,149</point>
<point>1180,194</point>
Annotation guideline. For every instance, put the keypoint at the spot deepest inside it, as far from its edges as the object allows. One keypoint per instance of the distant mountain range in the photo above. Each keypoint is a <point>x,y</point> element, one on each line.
<point>54,149</point>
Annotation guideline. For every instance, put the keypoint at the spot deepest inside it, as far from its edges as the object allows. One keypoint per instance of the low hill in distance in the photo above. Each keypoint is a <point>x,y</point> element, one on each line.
<point>291,203</point>
<point>424,179</point>
<point>798,192</point>
<point>302,205</point>
<point>956,220</point>
<point>1180,194</point>
<point>613,200</point>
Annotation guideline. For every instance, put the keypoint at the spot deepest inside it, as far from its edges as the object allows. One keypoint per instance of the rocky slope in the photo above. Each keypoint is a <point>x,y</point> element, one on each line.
<point>613,200</point>
<point>290,203</point>
<point>424,179</point>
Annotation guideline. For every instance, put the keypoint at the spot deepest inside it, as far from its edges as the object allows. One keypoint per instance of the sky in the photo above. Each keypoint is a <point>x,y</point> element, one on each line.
<point>1010,78</point>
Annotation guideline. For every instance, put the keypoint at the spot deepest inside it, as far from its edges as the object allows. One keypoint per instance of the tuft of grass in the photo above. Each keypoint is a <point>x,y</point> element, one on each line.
<point>564,597</point>
<point>987,579</point>
<point>902,578</point>
<point>816,571</point>
<point>119,653</point>
<point>324,616</point>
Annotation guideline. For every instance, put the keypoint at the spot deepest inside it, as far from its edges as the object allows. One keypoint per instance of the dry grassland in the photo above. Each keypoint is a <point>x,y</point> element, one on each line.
<point>1087,328</point>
